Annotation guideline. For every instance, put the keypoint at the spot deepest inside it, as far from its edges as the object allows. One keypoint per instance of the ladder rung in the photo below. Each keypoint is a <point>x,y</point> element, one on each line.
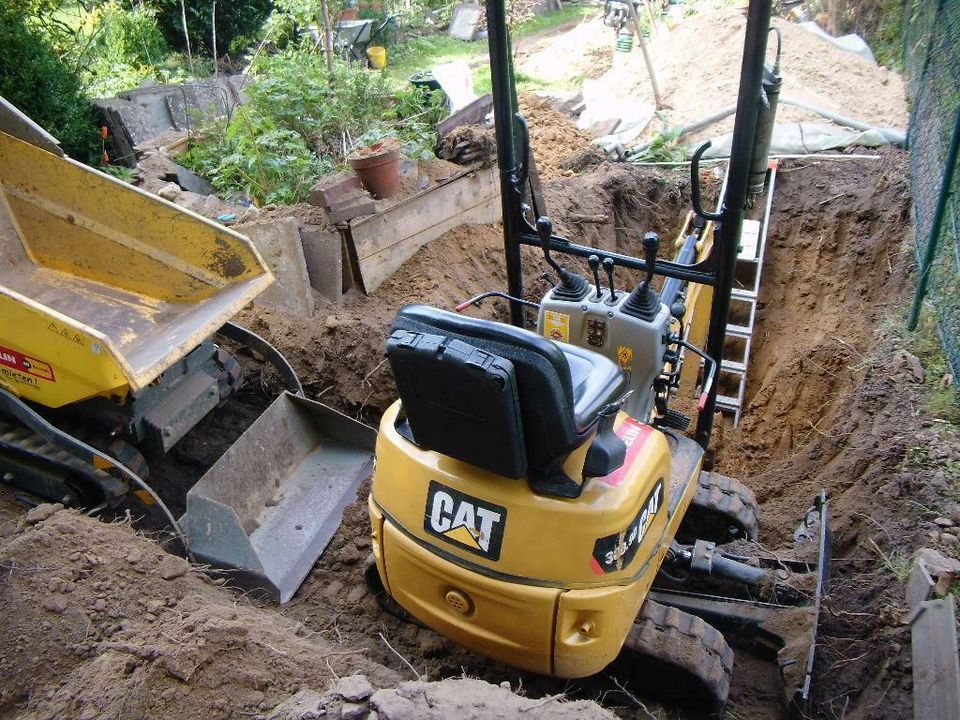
<point>739,331</point>
<point>733,366</point>
<point>742,294</point>
<point>725,402</point>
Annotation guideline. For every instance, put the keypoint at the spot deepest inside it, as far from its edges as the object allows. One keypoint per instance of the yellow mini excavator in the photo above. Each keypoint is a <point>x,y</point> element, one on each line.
<point>113,306</point>
<point>535,497</point>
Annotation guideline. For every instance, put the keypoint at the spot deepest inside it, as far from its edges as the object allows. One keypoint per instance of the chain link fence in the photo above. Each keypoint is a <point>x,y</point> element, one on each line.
<point>931,31</point>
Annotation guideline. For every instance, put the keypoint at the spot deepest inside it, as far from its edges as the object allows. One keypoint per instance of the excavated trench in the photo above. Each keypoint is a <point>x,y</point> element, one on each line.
<point>825,408</point>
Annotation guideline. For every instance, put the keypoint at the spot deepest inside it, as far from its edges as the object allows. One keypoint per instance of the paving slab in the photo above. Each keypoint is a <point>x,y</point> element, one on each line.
<point>323,253</point>
<point>278,242</point>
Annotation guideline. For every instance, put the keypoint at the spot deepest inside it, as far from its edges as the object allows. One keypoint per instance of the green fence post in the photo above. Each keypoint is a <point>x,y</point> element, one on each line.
<point>939,213</point>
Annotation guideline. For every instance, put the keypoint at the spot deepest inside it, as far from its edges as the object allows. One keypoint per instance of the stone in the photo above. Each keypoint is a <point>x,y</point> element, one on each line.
<point>304,705</point>
<point>323,255</point>
<point>354,688</point>
<point>279,243</point>
<point>154,606</point>
<point>41,513</point>
<point>944,570</point>
<point>943,522</point>
<point>170,191</point>
<point>171,567</point>
<point>353,711</point>
<point>55,604</point>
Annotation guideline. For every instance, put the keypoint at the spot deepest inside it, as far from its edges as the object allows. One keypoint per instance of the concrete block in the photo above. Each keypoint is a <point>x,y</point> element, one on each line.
<point>353,206</point>
<point>278,242</point>
<point>334,188</point>
<point>323,253</point>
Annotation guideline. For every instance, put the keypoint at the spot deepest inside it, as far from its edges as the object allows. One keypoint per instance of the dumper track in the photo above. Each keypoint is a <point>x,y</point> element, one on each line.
<point>53,473</point>
<point>672,648</point>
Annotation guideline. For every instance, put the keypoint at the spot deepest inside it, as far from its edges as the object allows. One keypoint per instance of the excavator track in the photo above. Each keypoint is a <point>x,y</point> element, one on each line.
<point>723,510</point>
<point>674,649</point>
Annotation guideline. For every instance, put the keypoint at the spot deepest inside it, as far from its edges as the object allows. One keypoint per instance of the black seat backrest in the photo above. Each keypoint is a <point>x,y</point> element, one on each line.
<point>542,373</point>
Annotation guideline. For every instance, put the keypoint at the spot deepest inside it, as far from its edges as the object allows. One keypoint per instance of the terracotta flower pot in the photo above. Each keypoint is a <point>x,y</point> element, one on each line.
<point>378,167</point>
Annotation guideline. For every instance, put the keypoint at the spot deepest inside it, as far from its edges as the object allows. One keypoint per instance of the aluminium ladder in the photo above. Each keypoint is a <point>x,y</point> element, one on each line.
<point>743,309</point>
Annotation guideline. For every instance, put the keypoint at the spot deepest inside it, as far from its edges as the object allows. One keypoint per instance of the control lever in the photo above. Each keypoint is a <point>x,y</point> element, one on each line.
<point>571,286</point>
<point>651,244</point>
<point>608,266</point>
<point>644,303</point>
<point>594,262</point>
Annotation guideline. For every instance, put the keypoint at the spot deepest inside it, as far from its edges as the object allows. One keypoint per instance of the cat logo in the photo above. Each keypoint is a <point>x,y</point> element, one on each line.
<point>625,357</point>
<point>467,522</point>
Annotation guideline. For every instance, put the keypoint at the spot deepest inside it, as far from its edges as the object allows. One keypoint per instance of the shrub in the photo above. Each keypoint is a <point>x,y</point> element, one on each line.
<point>131,37</point>
<point>235,18</point>
<point>47,90</point>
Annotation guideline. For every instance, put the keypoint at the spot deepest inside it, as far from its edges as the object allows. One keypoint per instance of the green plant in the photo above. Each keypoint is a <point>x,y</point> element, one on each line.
<point>234,19</point>
<point>121,172</point>
<point>664,147</point>
<point>129,36</point>
<point>49,91</point>
<point>253,156</point>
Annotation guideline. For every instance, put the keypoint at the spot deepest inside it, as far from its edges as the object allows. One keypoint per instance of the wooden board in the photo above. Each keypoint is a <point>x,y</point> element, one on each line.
<point>936,675</point>
<point>382,243</point>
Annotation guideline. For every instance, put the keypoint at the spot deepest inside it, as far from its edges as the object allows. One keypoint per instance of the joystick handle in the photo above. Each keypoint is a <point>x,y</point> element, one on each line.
<point>594,262</point>
<point>608,266</point>
<point>651,244</point>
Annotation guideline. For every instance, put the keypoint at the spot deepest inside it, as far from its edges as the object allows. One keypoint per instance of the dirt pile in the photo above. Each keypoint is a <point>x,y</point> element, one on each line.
<point>554,137</point>
<point>99,622</point>
<point>475,700</point>
<point>698,72</point>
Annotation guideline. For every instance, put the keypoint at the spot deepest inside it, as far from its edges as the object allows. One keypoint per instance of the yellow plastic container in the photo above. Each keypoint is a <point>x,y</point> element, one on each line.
<point>377,56</point>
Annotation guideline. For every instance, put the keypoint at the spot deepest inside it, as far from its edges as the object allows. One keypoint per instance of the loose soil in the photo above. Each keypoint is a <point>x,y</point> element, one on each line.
<point>832,403</point>
<point>697,67</point>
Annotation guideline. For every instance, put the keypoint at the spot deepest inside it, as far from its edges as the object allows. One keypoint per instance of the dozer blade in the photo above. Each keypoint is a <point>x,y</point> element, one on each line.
<point>267,509</point>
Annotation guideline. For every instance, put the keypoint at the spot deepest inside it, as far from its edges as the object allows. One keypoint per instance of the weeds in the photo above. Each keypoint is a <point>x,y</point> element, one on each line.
<point>895,562</point>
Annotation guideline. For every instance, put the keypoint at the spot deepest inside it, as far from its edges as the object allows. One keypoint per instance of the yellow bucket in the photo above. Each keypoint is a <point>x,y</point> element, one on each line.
<point>377,56</point>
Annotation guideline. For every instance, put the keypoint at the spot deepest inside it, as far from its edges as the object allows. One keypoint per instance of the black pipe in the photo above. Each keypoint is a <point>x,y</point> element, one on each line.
<point>735,198</point>
<point>504,107</point>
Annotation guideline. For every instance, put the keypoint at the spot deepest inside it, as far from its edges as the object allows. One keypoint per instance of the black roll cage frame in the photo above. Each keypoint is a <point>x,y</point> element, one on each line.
<point>716,270</point>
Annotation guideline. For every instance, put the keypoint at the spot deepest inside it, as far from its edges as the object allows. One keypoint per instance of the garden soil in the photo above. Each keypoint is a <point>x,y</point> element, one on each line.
<point>93,628</point>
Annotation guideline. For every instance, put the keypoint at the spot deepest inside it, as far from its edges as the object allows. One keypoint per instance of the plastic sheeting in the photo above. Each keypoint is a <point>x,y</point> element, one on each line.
<point>803,138</point>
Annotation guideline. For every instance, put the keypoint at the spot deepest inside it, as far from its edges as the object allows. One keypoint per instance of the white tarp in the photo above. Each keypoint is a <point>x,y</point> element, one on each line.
<point>850,43</point>
<point>803,138</point>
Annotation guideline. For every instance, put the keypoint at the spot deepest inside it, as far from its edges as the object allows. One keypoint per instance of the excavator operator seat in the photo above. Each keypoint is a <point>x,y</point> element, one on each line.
<point>496,396</point>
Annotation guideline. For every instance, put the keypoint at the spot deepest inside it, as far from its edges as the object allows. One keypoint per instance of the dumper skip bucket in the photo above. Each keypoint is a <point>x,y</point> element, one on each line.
<point>267,509</point>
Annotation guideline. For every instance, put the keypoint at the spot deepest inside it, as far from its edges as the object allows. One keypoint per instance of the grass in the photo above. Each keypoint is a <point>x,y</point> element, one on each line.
<point>422,53</point>
<point>941,400</point>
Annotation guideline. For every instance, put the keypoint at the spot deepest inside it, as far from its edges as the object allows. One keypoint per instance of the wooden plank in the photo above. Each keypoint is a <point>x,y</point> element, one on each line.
<point>383,242</point>
<point>936,675</point>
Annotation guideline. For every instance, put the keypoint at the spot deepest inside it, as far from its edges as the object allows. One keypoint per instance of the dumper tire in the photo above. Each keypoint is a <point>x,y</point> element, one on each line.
<point>668,647</point>
<point>723,510</point>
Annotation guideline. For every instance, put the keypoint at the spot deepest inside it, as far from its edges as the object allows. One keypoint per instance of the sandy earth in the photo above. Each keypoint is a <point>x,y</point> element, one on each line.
<point>697,65</point>
<point>99,622</point>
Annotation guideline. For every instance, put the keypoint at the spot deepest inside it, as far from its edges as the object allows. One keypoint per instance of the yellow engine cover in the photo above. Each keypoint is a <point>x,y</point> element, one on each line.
<point>547,584</point>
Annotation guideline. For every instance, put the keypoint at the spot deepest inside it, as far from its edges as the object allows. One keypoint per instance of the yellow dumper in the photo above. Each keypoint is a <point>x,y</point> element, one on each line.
<point>110,301</point>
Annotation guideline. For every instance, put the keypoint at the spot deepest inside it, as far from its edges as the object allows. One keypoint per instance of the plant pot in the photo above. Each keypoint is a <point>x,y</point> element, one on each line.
<point>378,167</point>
